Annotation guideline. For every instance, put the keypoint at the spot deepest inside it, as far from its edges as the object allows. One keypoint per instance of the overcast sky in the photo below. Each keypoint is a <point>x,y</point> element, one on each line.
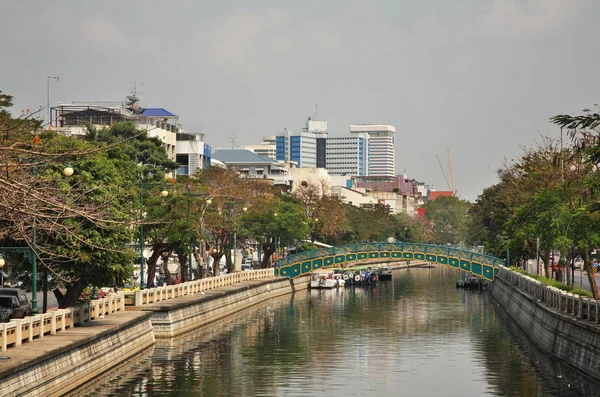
<point>480,77</point>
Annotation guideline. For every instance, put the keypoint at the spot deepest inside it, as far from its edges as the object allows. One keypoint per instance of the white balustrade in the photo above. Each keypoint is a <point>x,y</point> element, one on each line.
<point>158,294</point>
<point>16,332</point>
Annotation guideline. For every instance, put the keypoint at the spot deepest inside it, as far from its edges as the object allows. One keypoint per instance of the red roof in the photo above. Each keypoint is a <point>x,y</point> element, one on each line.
<point>445,193</point>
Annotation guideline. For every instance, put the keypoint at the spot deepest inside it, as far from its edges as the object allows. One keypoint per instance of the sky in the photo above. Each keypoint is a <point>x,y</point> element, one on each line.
<point>478,77</point>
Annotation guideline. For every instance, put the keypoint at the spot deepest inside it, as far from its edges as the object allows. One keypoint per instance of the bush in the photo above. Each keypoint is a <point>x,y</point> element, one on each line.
<point>553,283</point>
<point>86,295</point>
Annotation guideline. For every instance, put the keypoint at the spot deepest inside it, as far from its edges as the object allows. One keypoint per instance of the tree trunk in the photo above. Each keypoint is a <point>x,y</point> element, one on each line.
<point>200,257</point>
<point>184,265</point>
<point>268,251</point>
<point>165,258</point>
<point>590,273</point>
<point>69,299</point>
<point>156,253</point>
<point>216,259</point>
<point>545,256</point>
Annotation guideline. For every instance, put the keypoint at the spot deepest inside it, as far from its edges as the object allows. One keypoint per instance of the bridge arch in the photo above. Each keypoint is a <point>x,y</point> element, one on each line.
<point>480,265</point>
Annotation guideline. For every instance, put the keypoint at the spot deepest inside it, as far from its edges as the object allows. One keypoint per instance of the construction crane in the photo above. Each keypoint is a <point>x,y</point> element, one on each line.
<point>443,172</point>
<point>450,170</point>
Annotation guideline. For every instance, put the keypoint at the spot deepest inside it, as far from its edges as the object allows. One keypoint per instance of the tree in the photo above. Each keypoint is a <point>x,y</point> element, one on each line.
<point>448,217</point>
<point>325,213</point>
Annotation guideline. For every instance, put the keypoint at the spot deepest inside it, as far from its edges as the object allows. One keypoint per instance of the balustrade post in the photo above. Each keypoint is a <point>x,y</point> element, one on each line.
<point>30,325</point>
<point>4,337</point>
<point>42,320</point>
<point>53,324</point>
<point>18,332</point>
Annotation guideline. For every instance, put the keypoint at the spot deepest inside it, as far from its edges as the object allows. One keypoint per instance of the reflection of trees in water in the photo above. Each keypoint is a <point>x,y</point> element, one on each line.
<point>262,349</point>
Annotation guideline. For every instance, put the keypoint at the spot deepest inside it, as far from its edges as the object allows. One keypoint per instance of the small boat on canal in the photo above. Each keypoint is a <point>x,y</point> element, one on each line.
<point>471,283</point>
<point>361,276</point>
<point>384,273</point>
<point>323,280</point>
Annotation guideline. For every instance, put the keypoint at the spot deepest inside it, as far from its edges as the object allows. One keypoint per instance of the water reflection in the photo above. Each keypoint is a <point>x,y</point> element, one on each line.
<point>417,335</point>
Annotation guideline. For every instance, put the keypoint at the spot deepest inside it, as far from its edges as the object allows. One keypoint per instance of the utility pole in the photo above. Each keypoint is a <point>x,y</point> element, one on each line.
<point>57,78</point>
<point>537,254</point>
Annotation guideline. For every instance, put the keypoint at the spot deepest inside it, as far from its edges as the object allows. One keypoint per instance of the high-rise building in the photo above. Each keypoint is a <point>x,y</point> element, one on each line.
<point>381,147</point>
<point>306,148</point>
<point>348,155</point>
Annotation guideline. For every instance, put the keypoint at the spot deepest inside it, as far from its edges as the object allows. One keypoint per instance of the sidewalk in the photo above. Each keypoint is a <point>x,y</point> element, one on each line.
<point>29,353</point>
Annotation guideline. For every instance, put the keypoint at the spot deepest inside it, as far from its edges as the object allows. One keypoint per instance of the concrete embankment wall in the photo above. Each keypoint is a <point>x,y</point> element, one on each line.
<point>59,364</point>
<point>172,318</point>
<point>55,371</point>
<point>563,331</point>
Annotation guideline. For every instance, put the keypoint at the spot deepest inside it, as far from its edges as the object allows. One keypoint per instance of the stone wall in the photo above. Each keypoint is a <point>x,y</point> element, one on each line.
<point>558,331</point>
<point>58,371</point>
<point>171,318</point>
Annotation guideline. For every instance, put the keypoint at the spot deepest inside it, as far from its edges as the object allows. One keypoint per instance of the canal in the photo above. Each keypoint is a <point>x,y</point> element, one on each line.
<point>416,335</point>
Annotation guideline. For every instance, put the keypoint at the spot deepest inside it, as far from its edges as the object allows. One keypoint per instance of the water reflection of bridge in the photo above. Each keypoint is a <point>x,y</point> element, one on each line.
<point>480,265</point>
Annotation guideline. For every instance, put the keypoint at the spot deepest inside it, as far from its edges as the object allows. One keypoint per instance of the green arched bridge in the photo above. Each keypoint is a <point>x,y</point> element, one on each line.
<point>480,265</point>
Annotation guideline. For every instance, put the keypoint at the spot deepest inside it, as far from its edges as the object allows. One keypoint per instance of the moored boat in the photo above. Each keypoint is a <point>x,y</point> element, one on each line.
<point>471,283</point>
<point>384,273</point>
<point>322,280</point>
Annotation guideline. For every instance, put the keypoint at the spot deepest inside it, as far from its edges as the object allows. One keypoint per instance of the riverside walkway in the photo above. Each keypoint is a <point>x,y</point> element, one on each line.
<point>34,350</point>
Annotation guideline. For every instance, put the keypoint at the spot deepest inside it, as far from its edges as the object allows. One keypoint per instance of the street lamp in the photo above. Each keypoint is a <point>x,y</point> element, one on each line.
<point>31,251</point>
<point>163,193</point>
<point>204,206</point>
<point>2,262</point>
<point>57,78</point>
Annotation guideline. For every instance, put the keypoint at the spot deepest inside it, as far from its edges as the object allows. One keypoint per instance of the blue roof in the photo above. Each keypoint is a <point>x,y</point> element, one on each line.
<point>158,112</point>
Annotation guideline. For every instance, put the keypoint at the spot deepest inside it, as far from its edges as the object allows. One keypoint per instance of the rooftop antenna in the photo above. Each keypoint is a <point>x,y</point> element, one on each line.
<point>316,110</point>
<point>232,135</point>
<point>134,91</point>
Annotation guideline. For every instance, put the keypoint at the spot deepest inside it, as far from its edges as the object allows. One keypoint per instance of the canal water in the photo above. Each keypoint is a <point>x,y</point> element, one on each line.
<point>416,335</point>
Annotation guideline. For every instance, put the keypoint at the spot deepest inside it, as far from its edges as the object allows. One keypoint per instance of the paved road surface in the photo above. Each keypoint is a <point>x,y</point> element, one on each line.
<point>52,303</point>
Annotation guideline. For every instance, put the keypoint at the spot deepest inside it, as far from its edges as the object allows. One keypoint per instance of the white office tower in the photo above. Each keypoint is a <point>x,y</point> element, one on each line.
<point>348,155</point>
<point>382,157</point>
<point>307,148</point>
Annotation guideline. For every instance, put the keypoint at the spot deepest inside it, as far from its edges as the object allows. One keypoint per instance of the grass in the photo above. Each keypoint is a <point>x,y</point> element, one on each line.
<point>557,284</point>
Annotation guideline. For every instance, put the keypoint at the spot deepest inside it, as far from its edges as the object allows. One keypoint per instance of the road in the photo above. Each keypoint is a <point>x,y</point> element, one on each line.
<point>52,302</point>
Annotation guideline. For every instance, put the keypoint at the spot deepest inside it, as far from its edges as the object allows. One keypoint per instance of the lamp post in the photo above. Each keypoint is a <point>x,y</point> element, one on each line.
<point>204,206</point>
<point>2,262</point>
<point>31,252</point>
<point>232,234</point>
<point>57,78</point>
<point>163,193</point>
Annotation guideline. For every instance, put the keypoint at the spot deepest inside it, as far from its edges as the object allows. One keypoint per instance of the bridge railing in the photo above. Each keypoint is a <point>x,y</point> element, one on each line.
<point>560,300</point>
<point>17,331</point>
<point>159,294</point>
<point>387,246</point>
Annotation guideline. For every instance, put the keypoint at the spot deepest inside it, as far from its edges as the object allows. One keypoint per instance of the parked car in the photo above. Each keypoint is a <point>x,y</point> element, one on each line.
<point>13,304</point>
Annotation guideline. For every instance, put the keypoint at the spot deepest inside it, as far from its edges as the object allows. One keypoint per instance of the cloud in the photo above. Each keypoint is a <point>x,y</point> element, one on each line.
<point>102,33</point>
<point>529,17</point>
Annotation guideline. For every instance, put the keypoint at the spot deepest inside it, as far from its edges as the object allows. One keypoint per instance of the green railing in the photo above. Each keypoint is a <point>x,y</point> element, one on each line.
<point>480,265</point>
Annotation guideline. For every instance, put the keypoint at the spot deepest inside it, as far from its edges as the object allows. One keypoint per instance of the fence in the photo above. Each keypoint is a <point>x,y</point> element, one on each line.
<point>18,331</point>
<point>158,294</point>
<point>583,308</point>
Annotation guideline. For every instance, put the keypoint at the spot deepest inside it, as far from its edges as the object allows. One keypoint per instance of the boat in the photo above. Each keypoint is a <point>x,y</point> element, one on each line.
<point>339,279</point>
<point>362,276</point>
<point>384,273</point>
<point>471,283</point>
<point>322,280</point>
